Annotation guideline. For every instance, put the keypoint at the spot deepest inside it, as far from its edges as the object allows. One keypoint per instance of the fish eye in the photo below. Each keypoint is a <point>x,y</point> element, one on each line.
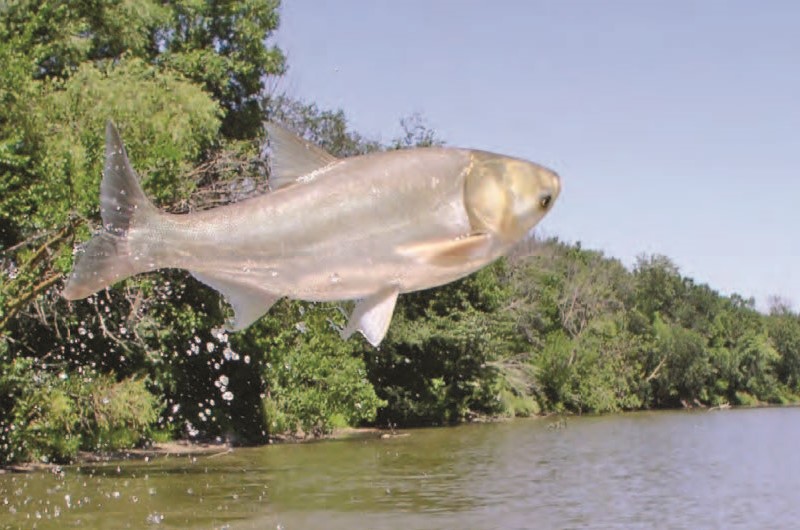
<point>545,199</point>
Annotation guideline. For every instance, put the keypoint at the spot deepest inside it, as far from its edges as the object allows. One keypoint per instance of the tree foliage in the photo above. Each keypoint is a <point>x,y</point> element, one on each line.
<point>553,328</point>
<point>183,81</point>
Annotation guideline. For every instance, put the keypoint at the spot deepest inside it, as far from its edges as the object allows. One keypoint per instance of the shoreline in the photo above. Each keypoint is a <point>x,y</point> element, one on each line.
<point>185,447</point>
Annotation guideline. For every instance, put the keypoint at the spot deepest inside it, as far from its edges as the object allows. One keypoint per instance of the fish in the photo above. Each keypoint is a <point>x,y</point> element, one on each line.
<point>365,228</point>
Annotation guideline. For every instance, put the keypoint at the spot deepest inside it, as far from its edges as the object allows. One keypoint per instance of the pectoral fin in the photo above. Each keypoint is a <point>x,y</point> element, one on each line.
<point>248,303</point>
<point>450,252</point>
<point>372,315</point>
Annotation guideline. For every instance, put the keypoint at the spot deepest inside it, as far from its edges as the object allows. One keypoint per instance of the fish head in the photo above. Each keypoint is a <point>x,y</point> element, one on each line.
<point>508,196</point>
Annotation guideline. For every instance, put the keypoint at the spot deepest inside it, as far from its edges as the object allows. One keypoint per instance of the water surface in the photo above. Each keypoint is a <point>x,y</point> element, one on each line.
<point>727,469</point>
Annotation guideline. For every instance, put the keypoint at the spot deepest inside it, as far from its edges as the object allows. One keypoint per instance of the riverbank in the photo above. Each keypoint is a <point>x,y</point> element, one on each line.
<point>188,448</point>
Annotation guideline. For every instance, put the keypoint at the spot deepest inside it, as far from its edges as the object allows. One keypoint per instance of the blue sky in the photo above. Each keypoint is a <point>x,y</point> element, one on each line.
<point>675,125</point>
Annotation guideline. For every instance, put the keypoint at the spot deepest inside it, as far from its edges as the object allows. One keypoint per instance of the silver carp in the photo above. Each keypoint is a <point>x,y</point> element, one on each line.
<point>364,228</point>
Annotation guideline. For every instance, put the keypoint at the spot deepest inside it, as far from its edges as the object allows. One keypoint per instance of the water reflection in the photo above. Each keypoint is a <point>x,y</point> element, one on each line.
<point>702,469</point>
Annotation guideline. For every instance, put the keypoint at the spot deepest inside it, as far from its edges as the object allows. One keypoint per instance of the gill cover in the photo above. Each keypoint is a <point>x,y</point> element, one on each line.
<point>506,196</point>
<point>486,196</point>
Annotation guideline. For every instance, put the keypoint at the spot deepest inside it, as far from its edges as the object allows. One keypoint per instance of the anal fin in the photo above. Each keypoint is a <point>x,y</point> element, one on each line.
<point>450,252</point>
<point>372,316</point>
<point>249,303</point>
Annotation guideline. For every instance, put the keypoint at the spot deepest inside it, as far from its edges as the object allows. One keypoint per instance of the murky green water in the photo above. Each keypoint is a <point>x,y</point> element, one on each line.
<point>647,470</point>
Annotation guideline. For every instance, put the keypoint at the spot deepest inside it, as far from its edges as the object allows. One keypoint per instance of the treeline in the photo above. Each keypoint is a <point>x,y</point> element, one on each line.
<point>552,328</point>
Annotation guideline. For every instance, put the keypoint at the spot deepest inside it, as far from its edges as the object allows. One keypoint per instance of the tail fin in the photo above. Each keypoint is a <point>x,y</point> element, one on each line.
<point>123,205</point>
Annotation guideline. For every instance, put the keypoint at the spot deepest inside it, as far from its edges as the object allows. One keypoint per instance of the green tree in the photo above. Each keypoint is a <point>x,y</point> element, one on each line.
<point>183,81</point>
<point>686,371</point>
<point>659,287</point>
<point>555,327</point>
<point>784,331</point>
<point>435,365</point>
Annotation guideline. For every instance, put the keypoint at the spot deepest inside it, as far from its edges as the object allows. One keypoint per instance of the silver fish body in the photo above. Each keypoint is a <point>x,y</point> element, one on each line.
<point>364,228</point>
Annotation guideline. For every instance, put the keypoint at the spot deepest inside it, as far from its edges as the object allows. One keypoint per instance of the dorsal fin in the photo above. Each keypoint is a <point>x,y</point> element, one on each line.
<point>292,157</point>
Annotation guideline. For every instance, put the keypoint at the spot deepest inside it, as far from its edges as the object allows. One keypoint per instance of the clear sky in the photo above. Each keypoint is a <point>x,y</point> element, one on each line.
<point>675,125</point>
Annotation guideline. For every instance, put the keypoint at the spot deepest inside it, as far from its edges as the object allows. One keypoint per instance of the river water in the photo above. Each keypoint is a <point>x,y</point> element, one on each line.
<point>722,469</point>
